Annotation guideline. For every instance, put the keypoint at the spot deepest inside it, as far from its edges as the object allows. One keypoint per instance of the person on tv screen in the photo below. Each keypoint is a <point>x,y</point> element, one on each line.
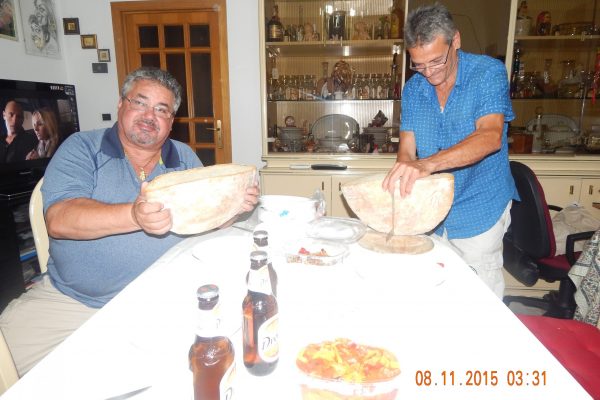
<point>103,232</point>
<point>18,142</point>
<point>45,127</point>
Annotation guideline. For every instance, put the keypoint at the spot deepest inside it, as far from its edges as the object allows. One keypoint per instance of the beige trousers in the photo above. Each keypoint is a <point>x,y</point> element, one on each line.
<point>483,253</point>
<point>37,321</point>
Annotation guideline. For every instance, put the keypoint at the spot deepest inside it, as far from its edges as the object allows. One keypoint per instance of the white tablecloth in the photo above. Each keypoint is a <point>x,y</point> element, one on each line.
<point>430,310</point>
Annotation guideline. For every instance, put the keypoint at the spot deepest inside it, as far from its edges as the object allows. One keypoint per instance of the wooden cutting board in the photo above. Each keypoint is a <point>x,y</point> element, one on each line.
<point>376,241</point>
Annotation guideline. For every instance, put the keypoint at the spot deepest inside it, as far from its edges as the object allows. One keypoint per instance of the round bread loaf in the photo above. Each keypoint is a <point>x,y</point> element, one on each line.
<point>419,212</point>
<point>201,199</point>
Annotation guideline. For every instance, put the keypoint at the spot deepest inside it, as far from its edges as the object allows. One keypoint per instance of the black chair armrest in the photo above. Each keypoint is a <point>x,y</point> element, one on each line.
<point>519,264</point>
<point>570,246</point>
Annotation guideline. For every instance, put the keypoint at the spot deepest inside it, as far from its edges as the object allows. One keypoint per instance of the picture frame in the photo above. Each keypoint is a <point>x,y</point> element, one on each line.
<point>103,55</point>
<point>8,26</point>
<point>89,41</point>
<point>40,28</point>
<point>71,26</point>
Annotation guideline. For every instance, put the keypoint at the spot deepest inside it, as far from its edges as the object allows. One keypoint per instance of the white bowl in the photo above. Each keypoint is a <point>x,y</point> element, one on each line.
<point>280,208</point>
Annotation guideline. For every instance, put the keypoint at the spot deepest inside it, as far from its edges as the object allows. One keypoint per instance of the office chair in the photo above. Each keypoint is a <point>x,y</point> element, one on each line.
<point>38,226</point>
<point>529,247</point>
<point>575,344</point>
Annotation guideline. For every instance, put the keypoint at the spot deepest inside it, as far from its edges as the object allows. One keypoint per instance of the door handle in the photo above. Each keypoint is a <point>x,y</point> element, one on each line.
<point>219,133</point>
<point>591,189</point>
<point>571,189</point>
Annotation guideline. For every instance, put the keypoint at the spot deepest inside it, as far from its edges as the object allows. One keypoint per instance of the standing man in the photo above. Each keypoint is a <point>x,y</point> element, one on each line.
<point>18,142</point>
<point>103,232</point>
<point>455,114</point>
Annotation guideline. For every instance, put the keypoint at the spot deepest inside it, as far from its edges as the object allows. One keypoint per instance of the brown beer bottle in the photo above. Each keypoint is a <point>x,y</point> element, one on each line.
<point>212,357</point>
<point>261,242</point>
<point>260,328</point>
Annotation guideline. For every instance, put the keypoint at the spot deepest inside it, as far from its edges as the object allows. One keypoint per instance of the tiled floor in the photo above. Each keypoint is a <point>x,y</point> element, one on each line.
<point>518,308</point>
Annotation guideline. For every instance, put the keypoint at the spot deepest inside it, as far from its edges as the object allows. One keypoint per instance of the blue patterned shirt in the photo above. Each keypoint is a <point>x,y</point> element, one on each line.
<point>482,190</point>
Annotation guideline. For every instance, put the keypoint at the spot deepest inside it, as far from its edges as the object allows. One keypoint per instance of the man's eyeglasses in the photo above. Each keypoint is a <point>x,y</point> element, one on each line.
<point>159,111</point>
<point>432,65</point>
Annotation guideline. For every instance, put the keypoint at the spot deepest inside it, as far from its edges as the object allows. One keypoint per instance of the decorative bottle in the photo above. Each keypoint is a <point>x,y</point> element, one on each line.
<point>275,27</point>
<point>212,357</point>
<point>397,21</point>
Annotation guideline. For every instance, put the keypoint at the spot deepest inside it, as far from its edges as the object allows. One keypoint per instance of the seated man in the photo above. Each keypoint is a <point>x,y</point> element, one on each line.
<point>103,233</point>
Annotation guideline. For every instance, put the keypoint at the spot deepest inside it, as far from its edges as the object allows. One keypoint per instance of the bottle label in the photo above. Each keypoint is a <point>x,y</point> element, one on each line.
<point>259,280</point>
<point>208,322</point>
<point>275,32</point>
<point>268,339</point>
<point>226,387</point>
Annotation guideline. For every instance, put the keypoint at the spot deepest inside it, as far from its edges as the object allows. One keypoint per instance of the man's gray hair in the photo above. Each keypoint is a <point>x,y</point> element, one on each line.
<point>156,75</point>
<point>426,23</point>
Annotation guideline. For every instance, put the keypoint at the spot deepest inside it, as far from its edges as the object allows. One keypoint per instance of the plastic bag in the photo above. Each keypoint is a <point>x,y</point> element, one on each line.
<point>321,203</point>
<point>572,219</point>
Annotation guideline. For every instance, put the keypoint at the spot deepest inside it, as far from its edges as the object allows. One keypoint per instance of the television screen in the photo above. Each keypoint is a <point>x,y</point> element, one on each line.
<point>39,116</point>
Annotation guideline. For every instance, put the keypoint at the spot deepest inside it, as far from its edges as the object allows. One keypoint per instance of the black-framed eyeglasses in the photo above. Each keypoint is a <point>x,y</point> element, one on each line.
<point>432,65</point>
<point>138,105</point>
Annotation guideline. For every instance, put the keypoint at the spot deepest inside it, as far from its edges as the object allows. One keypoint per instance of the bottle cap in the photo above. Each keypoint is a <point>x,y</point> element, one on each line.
<point>260,234</point>
<point>258,256</point>
<point>207,293</point>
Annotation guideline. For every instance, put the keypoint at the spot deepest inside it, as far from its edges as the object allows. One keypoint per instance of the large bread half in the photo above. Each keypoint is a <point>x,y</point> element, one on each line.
<point>202,198</point>
<point>420,212</point>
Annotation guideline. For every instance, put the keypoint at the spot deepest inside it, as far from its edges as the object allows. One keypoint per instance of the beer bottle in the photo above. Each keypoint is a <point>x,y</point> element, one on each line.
<point>261,243</point>
<point>260,328</point>
<point>212,357</point>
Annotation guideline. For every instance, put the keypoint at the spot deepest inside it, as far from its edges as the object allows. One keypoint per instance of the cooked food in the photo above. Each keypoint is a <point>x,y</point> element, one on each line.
<point>320,253</point>
<point>343,359</point>
<point>201,199</point>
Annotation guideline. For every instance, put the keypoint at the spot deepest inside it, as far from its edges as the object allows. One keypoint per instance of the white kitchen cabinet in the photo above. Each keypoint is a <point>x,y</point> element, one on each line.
<point>563,191</point>
<point>307,184</point>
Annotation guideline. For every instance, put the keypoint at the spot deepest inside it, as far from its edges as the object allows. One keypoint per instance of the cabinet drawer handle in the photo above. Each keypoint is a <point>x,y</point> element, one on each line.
<point>322,185</point>
<point>571,189</point>
<point>339,186</point>
<point>591,190</point>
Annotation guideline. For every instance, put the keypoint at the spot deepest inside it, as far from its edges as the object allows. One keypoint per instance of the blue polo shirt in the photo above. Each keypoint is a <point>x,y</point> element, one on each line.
<point>92,165</point>
<point>481,190</point>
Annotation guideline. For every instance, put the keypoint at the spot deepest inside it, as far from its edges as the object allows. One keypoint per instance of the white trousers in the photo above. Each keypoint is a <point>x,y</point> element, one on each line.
<point>483,253</point>
<point>39,320</point>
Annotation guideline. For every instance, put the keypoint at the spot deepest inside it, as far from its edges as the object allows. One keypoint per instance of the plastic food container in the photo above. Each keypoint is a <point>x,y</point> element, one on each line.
<point>344,230</point>
<point>316,252</point>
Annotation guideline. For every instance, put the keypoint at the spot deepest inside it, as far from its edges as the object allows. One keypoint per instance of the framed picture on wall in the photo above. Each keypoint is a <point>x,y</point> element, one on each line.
<point>88,42</point>
<point>71,26</point>
<point>39,28</point>
<point>103,55</point>
<point>8,23</point>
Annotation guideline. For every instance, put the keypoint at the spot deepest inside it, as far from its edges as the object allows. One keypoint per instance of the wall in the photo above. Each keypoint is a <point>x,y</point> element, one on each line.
<point>98,93</point>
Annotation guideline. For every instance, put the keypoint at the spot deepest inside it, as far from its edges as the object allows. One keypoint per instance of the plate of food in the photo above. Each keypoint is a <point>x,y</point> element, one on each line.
<point>342,369</point>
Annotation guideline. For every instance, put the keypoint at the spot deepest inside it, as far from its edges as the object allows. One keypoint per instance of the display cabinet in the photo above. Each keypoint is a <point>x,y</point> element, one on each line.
<point>332,77</point>
<point>553,63</point>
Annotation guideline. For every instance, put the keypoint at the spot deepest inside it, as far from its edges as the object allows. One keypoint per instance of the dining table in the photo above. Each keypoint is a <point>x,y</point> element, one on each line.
<point>451,335</point>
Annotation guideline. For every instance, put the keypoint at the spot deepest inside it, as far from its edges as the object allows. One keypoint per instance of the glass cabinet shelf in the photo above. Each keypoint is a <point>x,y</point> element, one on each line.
<point>335,48</point>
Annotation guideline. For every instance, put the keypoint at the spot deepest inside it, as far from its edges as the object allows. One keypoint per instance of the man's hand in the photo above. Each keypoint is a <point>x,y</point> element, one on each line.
<point>152,218</point>
<point>250,198</point>
<point>407,172</point>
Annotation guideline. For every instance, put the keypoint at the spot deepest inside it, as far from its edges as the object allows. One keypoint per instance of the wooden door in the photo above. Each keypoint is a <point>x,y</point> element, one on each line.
<point>188,39</point>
